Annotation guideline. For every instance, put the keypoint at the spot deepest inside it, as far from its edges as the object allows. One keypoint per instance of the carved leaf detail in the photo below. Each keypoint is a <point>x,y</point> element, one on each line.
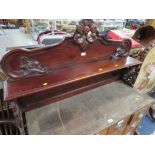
<point>30,66</point>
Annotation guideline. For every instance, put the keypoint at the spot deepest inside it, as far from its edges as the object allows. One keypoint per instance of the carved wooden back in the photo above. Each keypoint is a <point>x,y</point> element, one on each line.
<point>85,46</point>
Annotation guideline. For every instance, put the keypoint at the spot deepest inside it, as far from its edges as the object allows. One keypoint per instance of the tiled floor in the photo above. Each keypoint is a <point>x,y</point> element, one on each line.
<point>14,37</point>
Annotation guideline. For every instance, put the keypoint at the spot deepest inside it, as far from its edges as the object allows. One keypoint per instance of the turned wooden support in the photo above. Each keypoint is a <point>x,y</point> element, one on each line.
<point>18,116</point>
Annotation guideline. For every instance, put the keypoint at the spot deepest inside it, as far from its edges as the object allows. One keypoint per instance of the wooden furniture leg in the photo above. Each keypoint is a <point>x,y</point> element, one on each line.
<point>18,116</point>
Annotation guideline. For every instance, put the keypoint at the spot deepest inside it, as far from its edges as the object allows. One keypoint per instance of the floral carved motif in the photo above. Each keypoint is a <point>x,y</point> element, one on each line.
<point>85,34</point>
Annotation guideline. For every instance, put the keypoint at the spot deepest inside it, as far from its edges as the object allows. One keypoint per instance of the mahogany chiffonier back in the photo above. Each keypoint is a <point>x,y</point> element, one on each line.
<point>45,75</point>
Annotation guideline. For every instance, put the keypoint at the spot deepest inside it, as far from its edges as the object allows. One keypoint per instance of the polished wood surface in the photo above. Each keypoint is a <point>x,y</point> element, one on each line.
<point>49,59</point>
<point>61,77</point>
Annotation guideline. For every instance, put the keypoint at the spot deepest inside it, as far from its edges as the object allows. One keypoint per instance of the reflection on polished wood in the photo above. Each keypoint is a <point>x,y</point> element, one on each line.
<point>61,77</point>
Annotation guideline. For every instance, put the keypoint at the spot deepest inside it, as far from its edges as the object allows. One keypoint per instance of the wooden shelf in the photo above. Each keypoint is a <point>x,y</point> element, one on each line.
<point>27,86</point>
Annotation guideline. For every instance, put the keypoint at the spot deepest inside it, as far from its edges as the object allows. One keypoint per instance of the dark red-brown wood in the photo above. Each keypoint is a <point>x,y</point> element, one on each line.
<point>51,58</point>
<point>61,77</point>
<point>85,46</point>
<point>42,76</point>
<point>74,61</point>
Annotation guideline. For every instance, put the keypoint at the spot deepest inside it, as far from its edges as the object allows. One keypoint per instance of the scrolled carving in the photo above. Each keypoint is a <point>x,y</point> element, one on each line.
<point>86,33</point>
<point>29,66</point>
<point>123,50</point>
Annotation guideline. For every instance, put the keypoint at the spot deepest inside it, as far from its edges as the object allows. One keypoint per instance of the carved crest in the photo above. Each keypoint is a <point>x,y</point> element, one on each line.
<point>85,34</point>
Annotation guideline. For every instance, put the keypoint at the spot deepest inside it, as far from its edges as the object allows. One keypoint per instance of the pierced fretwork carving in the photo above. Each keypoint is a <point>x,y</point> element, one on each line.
<point>130,74</point>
